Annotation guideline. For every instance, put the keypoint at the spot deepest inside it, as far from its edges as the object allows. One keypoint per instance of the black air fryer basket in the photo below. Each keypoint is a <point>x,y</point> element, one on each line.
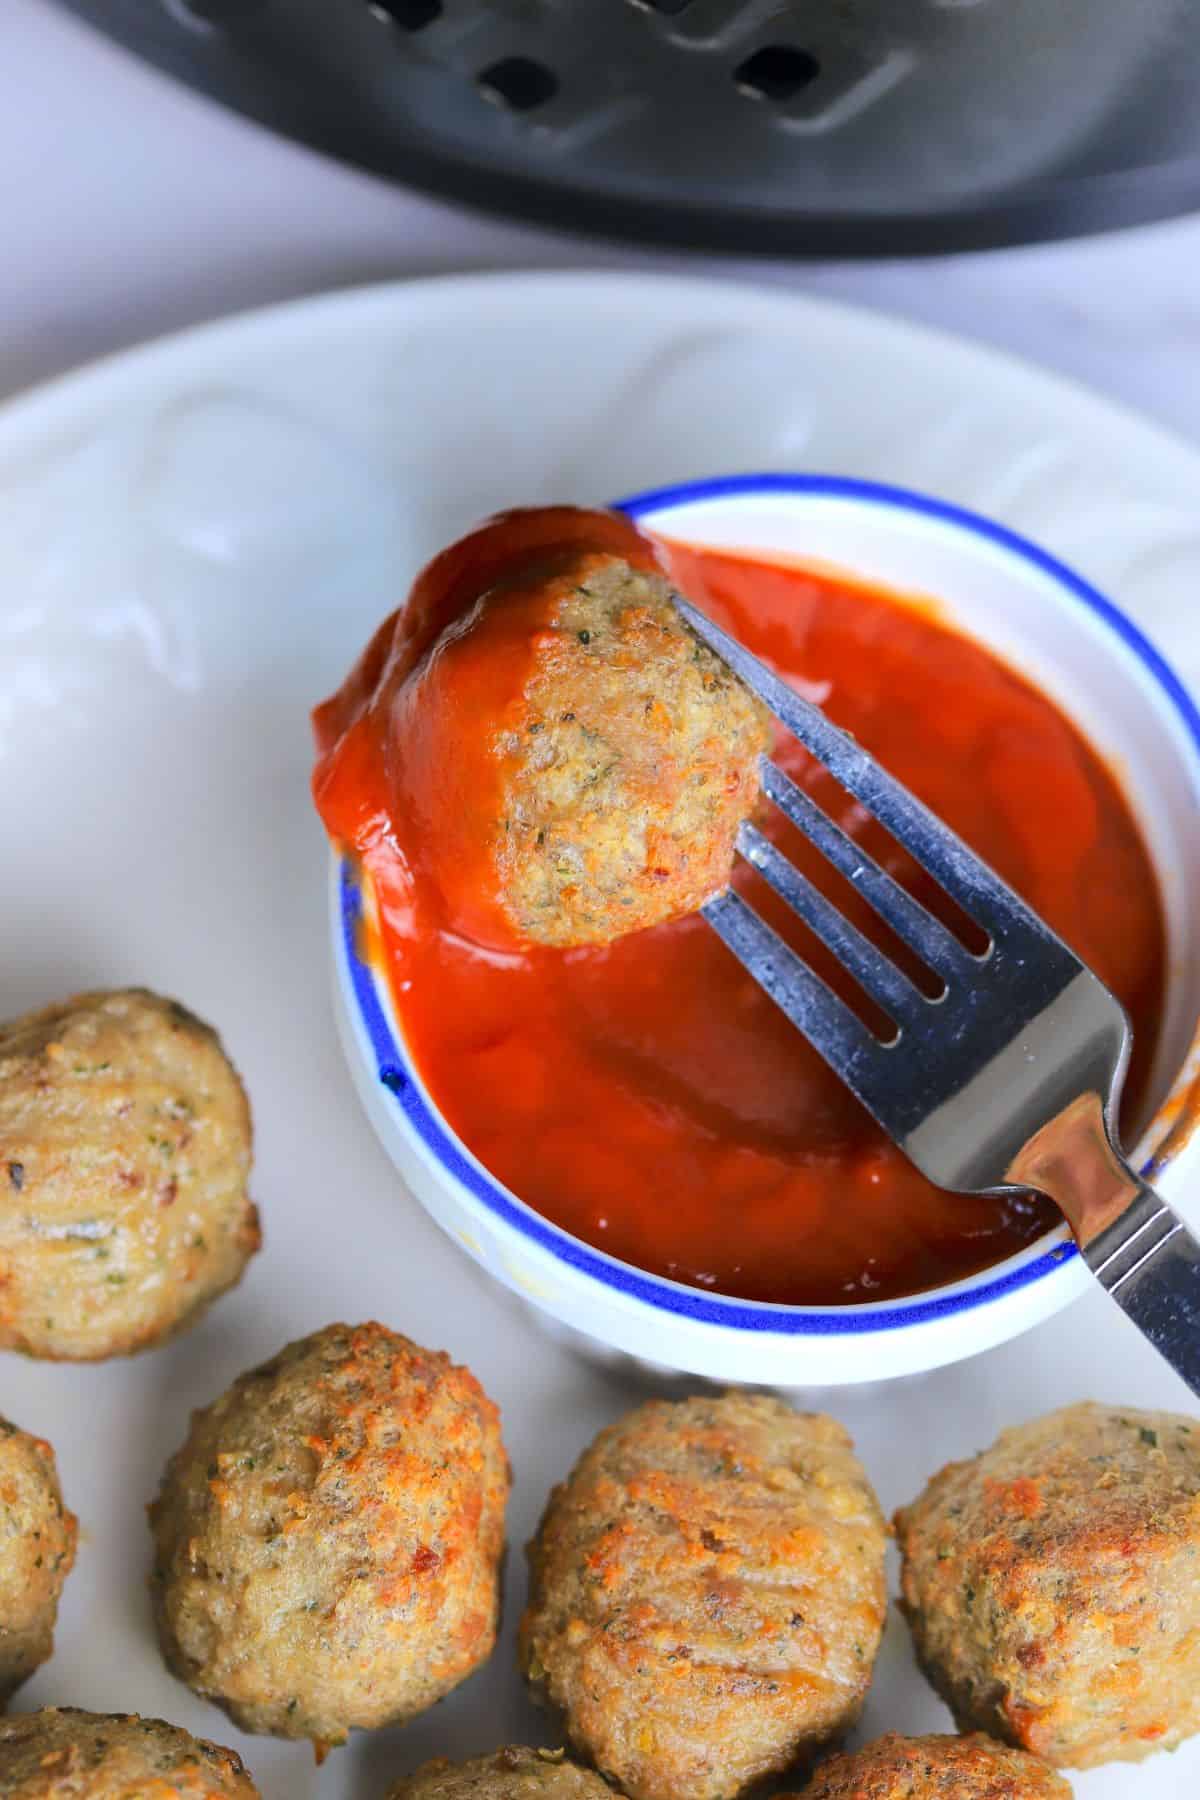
<point>821,126</point>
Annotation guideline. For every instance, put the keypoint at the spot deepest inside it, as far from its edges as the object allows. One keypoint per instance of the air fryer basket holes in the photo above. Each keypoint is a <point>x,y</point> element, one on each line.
<point>776,72</point>
<point>409,15</point>
<point>518,83</point>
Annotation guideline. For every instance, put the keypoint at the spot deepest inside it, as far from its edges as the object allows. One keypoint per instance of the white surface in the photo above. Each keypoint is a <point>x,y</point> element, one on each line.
<point>1039,624</point>
<point>192,545</point>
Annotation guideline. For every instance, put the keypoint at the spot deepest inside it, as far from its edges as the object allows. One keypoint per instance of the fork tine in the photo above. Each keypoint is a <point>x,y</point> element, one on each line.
<point>870,967</point>
<point>933,942</point>
<point>842,1039</point>
<point>923,835</point>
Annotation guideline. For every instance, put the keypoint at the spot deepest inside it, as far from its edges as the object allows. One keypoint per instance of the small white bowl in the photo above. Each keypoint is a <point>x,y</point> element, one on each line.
<point>1081,650</point>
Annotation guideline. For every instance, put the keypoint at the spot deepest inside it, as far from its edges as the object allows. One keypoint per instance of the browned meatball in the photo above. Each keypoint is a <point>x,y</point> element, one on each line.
<point>509,1774</point>
<point>63,1753</point>
<point>328,1539</point>
<point>37,1548</point>
<point>937,1768</point>
<point>707,1595</point>
<point>629,767</point>
<point>1053,1584</point>
<point>124,1154</point>
<point>568,762</point>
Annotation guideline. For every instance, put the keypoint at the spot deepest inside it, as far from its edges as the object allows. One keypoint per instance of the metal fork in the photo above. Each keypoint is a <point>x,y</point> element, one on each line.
<point>1009,1078</point>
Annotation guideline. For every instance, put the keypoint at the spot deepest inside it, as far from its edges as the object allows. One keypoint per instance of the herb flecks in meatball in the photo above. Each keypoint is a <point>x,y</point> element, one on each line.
<point>1053,1584</point>
<point>707,1595</point>
<point>629,768</point>
<point>513,1773</point>
<point>564,764</point>
<point>328,1539</point>
<point>937,1768</point>
<point>63,1753</point>
<point>37,1549</point>
<point>125,1146</point>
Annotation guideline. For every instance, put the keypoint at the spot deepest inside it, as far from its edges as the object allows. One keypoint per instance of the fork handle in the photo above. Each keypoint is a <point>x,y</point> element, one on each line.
<point>1141,1252</point>
<point>1149,1262</point>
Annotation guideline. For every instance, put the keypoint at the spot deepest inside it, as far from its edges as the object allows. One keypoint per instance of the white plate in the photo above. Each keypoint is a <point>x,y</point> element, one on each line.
<point>194,540</point>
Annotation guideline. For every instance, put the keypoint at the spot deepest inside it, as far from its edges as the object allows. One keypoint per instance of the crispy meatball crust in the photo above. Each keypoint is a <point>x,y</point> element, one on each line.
<point>633,763</point>
<point>124,1155</point>
<point>37,1549</point>
<point>1052,1584</point>
<point>513,1773</point>
<point>63,1753</point>
<point>328,1539</point>
<point>707,1595</point>
<point>937,1768</point>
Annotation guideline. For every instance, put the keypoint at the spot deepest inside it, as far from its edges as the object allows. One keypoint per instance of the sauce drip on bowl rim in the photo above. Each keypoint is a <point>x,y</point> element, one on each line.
<point>646,1096</point>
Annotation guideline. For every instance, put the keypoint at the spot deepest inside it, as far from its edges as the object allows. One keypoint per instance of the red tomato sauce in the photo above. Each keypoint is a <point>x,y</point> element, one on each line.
<point>647,1097</point>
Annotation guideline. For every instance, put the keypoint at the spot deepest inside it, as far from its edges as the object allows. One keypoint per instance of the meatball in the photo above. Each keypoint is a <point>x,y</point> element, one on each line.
<point>37,1548</point>
<point>509,1774</point>
<point>628,766</point>
<point>63,1753</point>
<point>707,1595</point>
<point>328,1539</point>
<point>937,1768</point>
<point>124,1153</point>
<point>562,759</point>
<point>1052,1584</point>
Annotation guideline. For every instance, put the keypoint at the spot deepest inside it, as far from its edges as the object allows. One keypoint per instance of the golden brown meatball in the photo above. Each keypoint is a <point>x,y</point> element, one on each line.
<point>707,1595</point>
<point>936,1768</point>
<point>63,1753</point>
<point>1053,1584</point>
<point>328,1539</point>
<point>509,1774</point>
<point>124,1153</point>
<point>562,759</point>
<point>628,768</point>
<point>37,1549</point>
